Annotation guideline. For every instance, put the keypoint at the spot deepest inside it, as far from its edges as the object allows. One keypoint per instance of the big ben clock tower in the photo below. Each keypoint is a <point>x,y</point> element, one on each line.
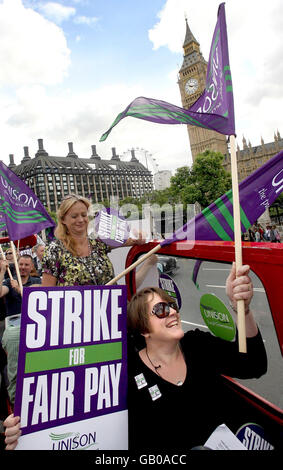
<point>192,77</point>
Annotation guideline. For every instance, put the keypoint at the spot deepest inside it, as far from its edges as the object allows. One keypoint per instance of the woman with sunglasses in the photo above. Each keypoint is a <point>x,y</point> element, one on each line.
<point>175,394</point>
<point>176,397</point>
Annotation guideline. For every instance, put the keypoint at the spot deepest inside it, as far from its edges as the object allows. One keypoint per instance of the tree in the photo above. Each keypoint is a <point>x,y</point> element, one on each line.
<point>52,214</point>
<point>204,182</point>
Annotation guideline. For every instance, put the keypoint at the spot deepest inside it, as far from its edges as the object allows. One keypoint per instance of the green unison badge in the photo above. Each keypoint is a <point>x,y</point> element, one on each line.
<point>217,317</point>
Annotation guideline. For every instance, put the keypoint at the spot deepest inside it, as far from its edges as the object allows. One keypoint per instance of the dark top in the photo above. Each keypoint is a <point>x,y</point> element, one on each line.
<point>184,416</point>
<point>13,299</point>
<point>12,270</point>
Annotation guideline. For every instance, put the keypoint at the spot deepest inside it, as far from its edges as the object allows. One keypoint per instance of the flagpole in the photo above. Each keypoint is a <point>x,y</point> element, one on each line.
<point>238,243</point>
<point>4,257</point>
<point>139,261</point>
<point>17,266</point>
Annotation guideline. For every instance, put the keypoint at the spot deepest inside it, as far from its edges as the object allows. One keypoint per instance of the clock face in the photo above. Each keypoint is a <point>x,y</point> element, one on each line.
<point>191,86</point>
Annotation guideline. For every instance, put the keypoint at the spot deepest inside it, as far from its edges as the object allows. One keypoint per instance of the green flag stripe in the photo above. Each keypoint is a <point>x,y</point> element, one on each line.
<point>177,116</point>
<point>214,223</point>
<point>229,88</point>
<point>245,221</point>
<point>20,215</point>
<point>225,212</point>
<point>38,361</point>
<point>9,212</point>
<point>181,116</point>
<point>148,110</point>
<point>6,203</point>
<point>18,220</point>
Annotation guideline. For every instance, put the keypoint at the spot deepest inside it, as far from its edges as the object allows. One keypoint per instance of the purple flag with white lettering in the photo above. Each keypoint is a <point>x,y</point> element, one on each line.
<point>257,192</point>
<point>21,212</point>
<point>216,104</point>
<point>213,110</point>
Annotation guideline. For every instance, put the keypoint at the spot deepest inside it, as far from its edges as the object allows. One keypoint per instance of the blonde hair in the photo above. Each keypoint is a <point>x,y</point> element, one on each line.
<point>61,232</point>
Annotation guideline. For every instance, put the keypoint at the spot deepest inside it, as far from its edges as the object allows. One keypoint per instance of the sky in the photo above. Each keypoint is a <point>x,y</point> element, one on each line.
<point>68,67</point>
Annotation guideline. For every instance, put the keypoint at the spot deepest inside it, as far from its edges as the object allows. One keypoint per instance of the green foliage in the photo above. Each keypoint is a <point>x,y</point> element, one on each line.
<point>52,214</point>
<point>204,182</point>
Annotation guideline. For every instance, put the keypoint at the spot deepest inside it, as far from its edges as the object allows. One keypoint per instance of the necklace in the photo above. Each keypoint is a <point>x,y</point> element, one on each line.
<point>179,382</point>
<point>155,367</point>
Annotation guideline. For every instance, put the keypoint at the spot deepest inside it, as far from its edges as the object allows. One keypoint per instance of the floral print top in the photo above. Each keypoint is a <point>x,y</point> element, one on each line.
<point>72,270</point>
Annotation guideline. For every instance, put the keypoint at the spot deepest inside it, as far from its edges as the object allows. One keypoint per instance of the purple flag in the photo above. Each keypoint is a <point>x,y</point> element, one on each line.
<point>21,212</point>
<point>257,192</point>
<point>213,110</point>
<point>216,104</point>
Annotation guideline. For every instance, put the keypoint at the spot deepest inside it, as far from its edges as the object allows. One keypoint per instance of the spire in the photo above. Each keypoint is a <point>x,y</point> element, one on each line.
<point>192,53</point>
<point>189,35</point>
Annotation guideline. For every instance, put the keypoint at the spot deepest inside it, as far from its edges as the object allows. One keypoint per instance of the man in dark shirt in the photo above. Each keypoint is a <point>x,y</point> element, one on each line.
<point>11,289</point>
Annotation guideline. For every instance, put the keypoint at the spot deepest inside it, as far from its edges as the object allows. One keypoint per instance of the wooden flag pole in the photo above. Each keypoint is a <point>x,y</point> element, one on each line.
<point>4,257</point>
<point>17,266</point>
<point>139,261</point>
<point>238,243</point>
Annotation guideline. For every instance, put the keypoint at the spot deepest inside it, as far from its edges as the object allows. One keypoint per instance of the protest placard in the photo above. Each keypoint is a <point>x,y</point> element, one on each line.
<point>72,374</point>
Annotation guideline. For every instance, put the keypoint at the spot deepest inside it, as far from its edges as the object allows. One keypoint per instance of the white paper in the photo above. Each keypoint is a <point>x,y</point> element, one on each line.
<point>223,439</point>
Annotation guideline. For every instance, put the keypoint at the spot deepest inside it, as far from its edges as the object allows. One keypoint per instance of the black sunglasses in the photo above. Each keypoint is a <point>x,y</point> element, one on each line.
<point>162,309</point>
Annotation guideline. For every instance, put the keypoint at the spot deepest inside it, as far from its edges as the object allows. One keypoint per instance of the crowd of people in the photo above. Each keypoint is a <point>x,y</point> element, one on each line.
<point>257,233</point>
<point>158,347</point>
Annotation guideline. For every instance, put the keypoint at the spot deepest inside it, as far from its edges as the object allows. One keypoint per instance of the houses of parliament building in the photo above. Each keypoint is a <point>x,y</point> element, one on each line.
<point>192,78</point>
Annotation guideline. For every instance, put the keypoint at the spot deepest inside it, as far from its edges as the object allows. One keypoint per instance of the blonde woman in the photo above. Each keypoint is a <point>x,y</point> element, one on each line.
<point>73,258</point>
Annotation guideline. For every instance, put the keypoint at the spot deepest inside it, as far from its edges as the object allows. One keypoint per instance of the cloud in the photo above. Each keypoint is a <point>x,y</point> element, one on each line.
<point>60,13</point>
<point>255,36</point>
<point>85,20</point>
<point>32,49</point>
<point>56,12</point>
<point>35,53</point>
<point>167,31</point>
<point>81,118</point>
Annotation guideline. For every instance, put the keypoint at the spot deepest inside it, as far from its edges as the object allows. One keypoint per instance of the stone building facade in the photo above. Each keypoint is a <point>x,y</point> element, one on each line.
<point>250,158</point>
<point>53,177</point>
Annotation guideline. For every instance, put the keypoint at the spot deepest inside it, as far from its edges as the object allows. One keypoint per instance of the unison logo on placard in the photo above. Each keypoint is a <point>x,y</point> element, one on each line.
<point>73,441</point>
